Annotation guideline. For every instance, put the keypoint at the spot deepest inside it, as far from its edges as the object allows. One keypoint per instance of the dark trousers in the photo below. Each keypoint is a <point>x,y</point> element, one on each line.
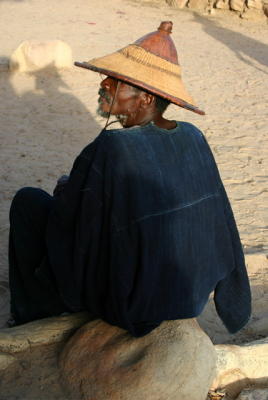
<point>32,296</point>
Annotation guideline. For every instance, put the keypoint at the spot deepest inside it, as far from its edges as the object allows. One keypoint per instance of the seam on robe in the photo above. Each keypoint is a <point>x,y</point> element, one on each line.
<point>193,203</point>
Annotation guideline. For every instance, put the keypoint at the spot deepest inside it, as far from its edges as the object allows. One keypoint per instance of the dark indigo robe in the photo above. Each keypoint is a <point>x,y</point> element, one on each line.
<point>144,232</point>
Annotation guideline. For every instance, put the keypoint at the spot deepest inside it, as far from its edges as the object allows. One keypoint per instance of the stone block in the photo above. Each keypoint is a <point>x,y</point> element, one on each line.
<point>222,4</point>
<point>238,367</point>
<point>252,14</point>
<point>255,4</point>
<point>237,5</point>
<point>5,361</point>
<point>177,3</point>
<point>33,55</point>
<point>199,5</point>
<point>40,333</point>
<point>103,362</point>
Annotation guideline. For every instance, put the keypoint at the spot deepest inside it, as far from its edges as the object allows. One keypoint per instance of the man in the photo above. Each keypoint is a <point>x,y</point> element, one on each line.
<point>142,230</point>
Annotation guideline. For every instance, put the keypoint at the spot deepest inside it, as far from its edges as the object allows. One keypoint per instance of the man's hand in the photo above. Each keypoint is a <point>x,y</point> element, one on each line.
<point>61,182</point>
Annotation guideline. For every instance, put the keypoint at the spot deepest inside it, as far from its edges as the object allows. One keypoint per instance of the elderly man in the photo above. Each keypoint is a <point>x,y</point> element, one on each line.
<point>142,230</point>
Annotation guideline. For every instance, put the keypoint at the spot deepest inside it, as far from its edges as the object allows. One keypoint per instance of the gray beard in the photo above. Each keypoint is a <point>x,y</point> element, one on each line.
<point>101,113</point>
<point>104,114</point>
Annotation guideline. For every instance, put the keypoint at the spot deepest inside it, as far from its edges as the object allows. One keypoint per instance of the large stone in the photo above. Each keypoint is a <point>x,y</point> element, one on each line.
<point>40,333</point>
<point>237,5</point>
<point>239,367</point>
<point>252,14</point>
<point>33,55</point>
<point>177,3</point>
<point>256,4</point>
<point>253,394</point>
<point>28,357</point>
<point>176,361</point>
<point>199,5</point>
<point>5,361</point>
<point>265,8</point>
<point>222,4</point>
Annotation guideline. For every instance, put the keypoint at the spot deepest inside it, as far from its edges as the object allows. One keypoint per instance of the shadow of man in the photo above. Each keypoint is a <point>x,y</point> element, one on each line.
<point>43,129</point>
<point>53,126</point>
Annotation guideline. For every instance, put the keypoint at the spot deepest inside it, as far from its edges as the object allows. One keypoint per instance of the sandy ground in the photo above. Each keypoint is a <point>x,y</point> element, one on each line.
<point>46,118</point>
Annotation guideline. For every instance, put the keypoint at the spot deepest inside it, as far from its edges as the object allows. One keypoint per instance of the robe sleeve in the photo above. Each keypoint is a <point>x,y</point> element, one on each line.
<point>232,294</point>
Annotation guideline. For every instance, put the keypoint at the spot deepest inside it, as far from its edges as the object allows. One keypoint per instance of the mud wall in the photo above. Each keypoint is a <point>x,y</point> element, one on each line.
<point>256,10</point>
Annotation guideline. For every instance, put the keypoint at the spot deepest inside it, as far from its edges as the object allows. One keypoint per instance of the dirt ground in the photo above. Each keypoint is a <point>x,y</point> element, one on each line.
<point>46,118</point>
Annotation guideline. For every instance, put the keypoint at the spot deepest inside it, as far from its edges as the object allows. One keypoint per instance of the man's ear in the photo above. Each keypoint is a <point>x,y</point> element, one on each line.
<point>146,99</point>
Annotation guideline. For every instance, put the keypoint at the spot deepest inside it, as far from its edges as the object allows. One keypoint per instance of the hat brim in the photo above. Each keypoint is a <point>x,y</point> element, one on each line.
<point>145,70</point>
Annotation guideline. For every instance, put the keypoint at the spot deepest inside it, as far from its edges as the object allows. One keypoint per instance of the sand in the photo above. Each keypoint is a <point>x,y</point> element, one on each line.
<point>46,118</point>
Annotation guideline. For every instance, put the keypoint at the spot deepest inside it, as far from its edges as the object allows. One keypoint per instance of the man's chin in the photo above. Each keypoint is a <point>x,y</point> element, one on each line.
<point>122,119</point>
<point>102,113</point>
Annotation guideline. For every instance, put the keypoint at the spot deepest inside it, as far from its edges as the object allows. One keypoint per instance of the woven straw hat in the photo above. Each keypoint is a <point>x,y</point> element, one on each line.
<point>150,63</point>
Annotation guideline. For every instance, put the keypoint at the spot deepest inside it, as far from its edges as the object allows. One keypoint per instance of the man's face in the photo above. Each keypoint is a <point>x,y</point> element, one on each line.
<point>126,102</point>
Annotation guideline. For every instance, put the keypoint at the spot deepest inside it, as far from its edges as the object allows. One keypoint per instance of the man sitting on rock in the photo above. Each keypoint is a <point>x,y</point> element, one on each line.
<point>142,230</point>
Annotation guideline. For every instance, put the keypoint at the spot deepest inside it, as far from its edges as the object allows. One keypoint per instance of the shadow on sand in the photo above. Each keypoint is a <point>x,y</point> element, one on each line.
<point>244,47</point>
<point>47,118</point>
<point>43,127</point>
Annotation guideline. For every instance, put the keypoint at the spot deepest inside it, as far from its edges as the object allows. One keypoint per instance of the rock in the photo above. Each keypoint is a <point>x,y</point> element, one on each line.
<point>29,357</point>
<point>259,326</point>
<point>177,3</point>
<point>5,361</point>
<point>237,5</point>
<point>222,4</point>
<point>42,332</point>
<point>253,394</point>
<point>32,55</point>
<point>265,9</point>
<point>241,366</point>
<point>252,14</point>
<point>200,5</point>
<point>256,4</point>
<point>103,362</point>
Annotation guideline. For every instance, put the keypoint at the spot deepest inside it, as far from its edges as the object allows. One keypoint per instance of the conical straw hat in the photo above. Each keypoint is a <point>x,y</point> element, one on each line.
<point>150,63</point>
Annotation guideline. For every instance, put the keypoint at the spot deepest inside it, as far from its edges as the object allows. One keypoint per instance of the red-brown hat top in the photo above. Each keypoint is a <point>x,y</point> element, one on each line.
<point>150,63</point>
<point>160,42</point>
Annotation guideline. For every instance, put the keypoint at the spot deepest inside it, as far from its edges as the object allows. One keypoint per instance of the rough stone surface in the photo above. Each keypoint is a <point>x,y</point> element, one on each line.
<point>222,4</point>
<point>199,5</point>
<point>239,367</point>
<point>252,14</point>
<point>176,361</point>
<point>33,55</point>
<point>173,356</point>
<point>251,394</point>
<point>28,358</point>
<point>177,3</point>
<point>42,332</point>
<point>5,361</point>
<point>255,4</point>
<point>237,5</point>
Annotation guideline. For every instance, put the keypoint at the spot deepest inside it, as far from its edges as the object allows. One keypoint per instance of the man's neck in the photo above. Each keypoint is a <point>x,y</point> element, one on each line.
<point>164,123</point>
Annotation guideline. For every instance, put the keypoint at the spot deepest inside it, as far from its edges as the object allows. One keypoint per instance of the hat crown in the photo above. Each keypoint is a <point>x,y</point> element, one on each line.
<point>160,43</point>
<point>151,64</point>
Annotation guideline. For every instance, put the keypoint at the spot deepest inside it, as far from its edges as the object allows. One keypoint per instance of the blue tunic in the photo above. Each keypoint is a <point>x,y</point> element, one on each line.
<point>144,232</point>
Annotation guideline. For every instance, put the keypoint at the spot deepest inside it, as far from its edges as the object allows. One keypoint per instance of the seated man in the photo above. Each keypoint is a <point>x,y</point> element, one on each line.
<point>142,231</point>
